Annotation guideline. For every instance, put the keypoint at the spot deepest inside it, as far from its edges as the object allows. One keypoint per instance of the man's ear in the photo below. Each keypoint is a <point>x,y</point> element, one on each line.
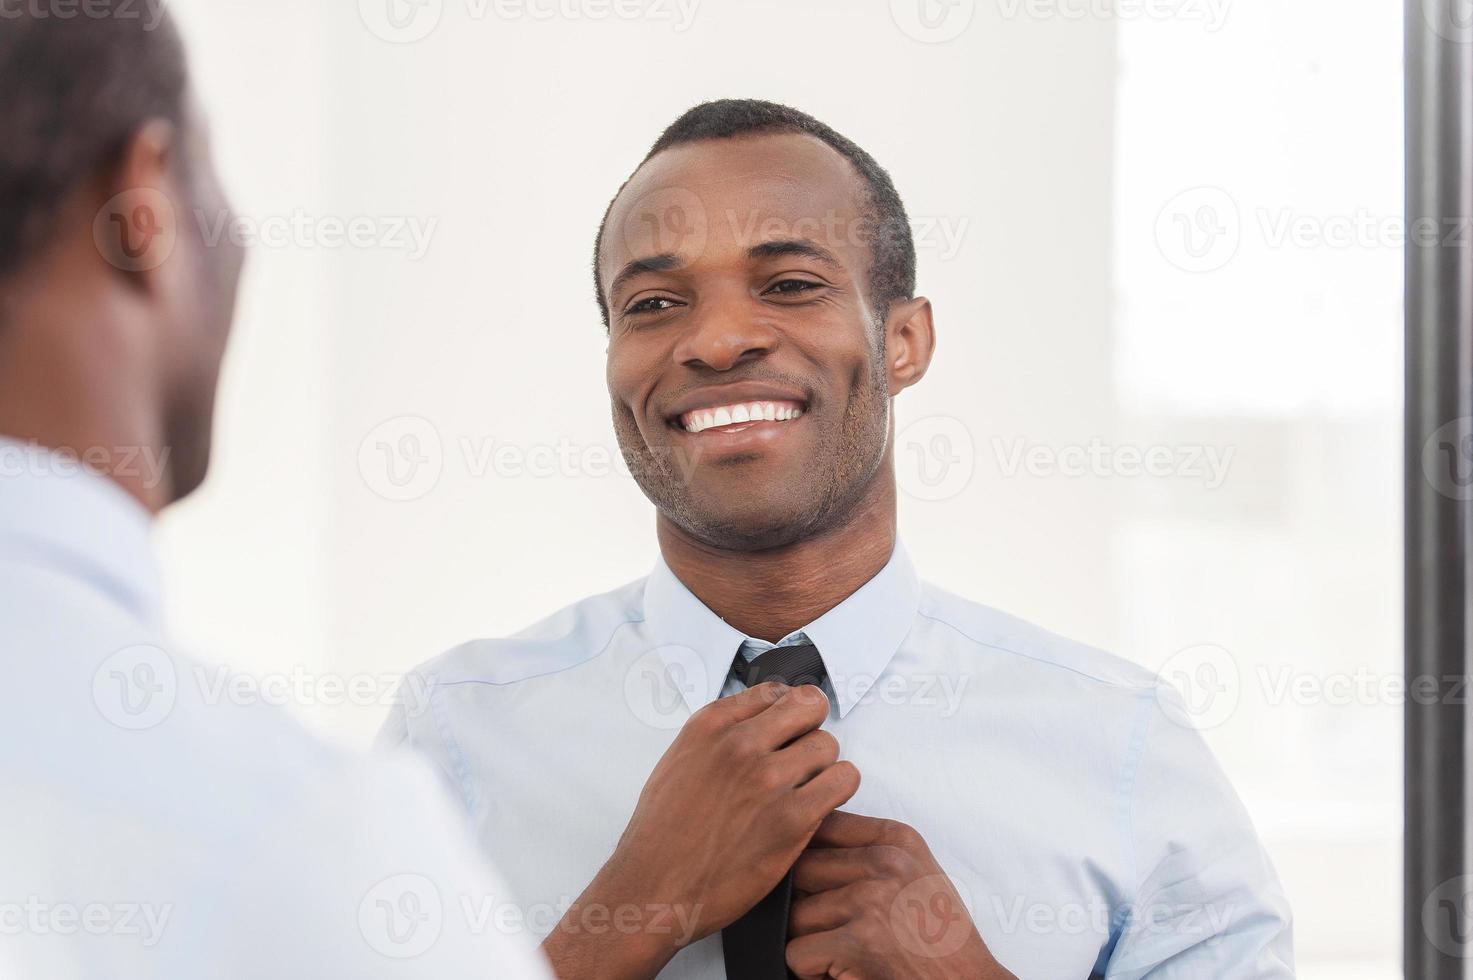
<point>910,340</point>
<point>137,225</point>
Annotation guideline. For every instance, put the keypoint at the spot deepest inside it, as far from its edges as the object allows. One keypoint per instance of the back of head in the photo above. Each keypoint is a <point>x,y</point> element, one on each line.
<point>77,89</point>
<point>104,278</point>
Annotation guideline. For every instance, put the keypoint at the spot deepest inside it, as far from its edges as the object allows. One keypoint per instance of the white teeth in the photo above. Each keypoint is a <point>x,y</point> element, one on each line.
<point>706,418</point>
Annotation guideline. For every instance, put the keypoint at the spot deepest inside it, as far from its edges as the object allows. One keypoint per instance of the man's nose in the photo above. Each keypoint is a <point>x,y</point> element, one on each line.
<point>724,335</point>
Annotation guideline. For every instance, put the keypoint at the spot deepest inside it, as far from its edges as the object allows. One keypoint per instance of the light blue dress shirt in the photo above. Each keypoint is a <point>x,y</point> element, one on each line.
<point>1064,790</point>
<point>152,828</point>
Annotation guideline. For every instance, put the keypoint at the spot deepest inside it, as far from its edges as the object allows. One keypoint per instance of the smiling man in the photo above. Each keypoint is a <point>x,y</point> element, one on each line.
<point>661,764</point>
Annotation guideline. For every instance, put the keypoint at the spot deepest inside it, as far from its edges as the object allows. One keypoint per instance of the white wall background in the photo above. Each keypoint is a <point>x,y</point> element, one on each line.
<point>1055,154</point>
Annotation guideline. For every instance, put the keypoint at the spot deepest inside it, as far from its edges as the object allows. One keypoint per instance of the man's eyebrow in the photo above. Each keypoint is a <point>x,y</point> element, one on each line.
<point>794,246</point>
<point>654,263</point>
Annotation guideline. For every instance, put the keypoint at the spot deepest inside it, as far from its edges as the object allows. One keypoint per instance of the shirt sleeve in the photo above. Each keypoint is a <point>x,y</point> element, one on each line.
<point>1208,902</point>
<point>412,727</point>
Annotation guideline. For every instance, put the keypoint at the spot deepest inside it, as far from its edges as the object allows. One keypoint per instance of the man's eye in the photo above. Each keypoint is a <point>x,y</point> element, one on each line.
<point>793,286</point>
<point>653,304</point>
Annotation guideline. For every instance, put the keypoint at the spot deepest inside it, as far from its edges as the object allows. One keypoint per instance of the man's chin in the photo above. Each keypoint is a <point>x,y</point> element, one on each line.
<point>742,529</point>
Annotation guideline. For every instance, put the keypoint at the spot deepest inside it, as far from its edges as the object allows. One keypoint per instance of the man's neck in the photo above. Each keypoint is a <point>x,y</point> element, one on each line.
<point>72,390</point>
<point>796,584</point>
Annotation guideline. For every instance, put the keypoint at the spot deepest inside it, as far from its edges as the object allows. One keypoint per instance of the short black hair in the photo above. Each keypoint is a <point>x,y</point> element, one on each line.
<point>893,265</point>
<point>75,91</point>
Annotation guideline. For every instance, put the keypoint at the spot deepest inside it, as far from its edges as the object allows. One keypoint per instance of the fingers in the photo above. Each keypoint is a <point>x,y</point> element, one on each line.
<point>801,711</point>
<point>825,869</point>
<point>822,954</point>
<point>808,756</point>
<point>855,830</point>
<point>749,703</point>
<point>824,911</point>
<point>828,790</point>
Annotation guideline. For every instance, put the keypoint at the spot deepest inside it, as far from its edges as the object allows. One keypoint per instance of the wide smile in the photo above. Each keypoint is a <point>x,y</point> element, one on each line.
<point>738,419</point>
<point>734,417</point>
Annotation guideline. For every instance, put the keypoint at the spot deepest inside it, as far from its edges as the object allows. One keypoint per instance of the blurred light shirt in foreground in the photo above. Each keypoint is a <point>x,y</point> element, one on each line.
<point>154,826</point>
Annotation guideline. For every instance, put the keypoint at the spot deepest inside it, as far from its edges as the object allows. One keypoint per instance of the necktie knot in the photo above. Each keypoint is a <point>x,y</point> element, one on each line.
<point>794,665</point>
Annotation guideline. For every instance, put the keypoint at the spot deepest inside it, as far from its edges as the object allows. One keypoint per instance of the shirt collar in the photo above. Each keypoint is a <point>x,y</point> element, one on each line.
<point>857,638</point>
<point>58,512</point>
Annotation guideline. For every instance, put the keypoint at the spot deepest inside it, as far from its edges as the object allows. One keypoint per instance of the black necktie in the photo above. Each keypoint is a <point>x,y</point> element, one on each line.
<point>755,946</point>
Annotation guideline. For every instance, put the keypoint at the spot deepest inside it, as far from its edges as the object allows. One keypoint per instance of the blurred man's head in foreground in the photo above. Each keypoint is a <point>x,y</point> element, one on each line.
<point>114,312</point>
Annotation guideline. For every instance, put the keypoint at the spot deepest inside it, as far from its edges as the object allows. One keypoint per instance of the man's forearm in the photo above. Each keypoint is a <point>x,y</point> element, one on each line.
<point>609,935</point>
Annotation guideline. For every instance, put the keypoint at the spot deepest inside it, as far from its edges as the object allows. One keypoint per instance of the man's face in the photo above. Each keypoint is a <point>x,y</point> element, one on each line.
<point>745,365</point>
